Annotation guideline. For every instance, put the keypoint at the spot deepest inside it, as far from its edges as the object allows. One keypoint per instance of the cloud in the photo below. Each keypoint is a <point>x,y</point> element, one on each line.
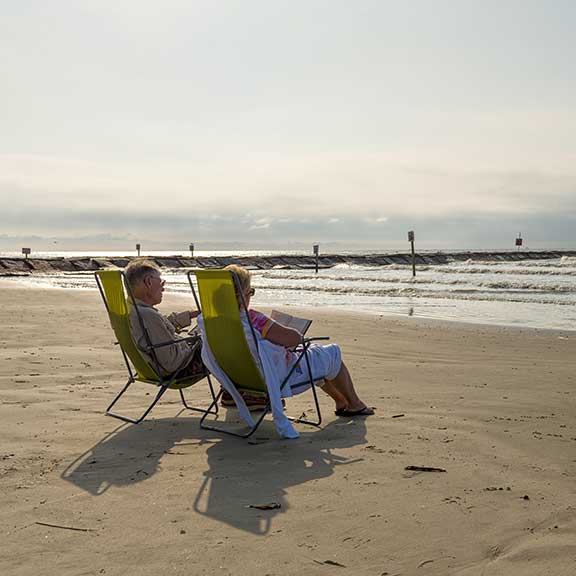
<point>377,220</point>
<point>116,231</point>
<point>298,187</point>
<point>261,224</point>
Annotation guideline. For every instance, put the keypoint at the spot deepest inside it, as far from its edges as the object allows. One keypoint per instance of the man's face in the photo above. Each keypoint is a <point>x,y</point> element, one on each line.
<point>154,288</point>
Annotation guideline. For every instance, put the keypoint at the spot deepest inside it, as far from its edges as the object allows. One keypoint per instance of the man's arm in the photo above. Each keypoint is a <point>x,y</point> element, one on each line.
<point>182,319</point>
<point>161,330</point>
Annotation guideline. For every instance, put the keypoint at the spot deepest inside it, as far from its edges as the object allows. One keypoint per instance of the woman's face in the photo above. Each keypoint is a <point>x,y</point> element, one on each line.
<point>248,293</point>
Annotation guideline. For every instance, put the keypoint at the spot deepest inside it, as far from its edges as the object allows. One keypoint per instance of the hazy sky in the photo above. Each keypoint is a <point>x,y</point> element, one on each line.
<point>268,122</point>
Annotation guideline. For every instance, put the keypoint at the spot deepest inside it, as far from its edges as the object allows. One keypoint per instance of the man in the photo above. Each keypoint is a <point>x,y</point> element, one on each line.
<point>145,281</point>
<point>181,355</point>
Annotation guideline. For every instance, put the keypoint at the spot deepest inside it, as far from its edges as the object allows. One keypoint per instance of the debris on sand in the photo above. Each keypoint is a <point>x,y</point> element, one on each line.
<point>424,469</point>
<point>269,506</point>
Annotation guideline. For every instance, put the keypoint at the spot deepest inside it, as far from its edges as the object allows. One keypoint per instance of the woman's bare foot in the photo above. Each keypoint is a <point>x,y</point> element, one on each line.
<point>348,413</point>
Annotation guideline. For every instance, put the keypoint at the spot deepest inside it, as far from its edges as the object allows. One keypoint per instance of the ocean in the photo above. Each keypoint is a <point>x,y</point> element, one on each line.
<point>527,293</point>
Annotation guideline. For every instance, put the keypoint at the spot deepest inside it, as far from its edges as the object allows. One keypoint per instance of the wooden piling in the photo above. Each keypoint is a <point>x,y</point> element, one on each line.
<point>411,239</point>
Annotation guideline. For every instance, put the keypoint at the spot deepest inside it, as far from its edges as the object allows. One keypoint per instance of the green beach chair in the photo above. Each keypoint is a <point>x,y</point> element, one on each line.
<point>116,295</point>
<point>215,297</point>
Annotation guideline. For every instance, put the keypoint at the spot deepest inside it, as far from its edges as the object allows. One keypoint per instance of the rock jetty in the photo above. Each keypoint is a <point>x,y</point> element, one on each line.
<point>27,266</point>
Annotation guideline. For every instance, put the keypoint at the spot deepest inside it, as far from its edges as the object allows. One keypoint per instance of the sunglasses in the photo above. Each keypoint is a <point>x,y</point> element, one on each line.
<point>158,278</point>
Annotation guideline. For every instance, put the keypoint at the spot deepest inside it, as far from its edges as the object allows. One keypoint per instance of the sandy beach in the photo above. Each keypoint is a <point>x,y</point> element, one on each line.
<point>85,494</point>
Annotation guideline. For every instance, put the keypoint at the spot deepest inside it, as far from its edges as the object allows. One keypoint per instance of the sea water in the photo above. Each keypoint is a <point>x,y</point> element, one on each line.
<point>528,293</point>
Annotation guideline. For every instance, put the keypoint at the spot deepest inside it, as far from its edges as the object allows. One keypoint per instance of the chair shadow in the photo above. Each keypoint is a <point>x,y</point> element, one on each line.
<point>131,453</point>
<point>260,474</point>
<point>240,473</point>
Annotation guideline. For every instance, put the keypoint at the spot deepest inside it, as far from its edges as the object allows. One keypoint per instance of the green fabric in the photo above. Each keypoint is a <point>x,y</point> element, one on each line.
<point>111,281</point>
<point>224,329</point>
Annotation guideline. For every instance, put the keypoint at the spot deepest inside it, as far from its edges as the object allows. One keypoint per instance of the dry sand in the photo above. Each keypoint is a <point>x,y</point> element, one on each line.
<point>494,407</point>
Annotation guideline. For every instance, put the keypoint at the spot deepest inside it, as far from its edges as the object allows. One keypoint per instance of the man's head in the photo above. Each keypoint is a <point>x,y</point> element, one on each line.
<point>143,277</point>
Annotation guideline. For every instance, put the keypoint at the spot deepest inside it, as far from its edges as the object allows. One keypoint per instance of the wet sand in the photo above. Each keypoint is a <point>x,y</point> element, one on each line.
<point>85,494</point>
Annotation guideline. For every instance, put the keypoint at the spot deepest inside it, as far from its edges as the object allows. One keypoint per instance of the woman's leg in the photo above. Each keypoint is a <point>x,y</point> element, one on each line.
<point>341,389</point>
<point>339,398</point>
<point>326,360</point>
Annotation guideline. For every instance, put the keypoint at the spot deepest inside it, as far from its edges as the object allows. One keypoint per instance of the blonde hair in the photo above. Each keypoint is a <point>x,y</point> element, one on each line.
<point>243,276</point>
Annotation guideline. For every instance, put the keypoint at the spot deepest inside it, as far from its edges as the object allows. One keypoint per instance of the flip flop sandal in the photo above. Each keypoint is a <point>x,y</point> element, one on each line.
<point>366,411</point>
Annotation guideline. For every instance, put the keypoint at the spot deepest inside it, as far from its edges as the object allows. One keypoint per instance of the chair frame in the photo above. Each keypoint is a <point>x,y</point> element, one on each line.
<point>164,382</point>
<point>302,351</point>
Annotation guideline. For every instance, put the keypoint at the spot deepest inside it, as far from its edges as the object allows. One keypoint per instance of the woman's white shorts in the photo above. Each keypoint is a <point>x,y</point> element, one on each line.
<point>325,362</point>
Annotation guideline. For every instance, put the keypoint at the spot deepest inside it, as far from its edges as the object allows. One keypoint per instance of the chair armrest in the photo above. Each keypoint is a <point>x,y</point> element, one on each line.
<point>307,341</point>
<point>314,338</point>
<point>171,342</point>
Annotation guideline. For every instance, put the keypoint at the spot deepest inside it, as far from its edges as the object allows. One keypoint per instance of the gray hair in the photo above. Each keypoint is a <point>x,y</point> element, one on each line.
<point>139,269</point>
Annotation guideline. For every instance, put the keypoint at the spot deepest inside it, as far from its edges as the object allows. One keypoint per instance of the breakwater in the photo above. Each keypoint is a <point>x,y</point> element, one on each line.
<point>27,266</point>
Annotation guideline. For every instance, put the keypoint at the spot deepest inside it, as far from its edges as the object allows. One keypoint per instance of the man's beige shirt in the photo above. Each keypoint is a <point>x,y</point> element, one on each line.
<point>160,329</point>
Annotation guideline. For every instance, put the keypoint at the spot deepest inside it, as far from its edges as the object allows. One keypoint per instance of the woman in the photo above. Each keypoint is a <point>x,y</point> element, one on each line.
<point>325,361</point>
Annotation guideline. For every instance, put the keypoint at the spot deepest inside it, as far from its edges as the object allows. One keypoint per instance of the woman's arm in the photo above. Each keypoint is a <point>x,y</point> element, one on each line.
<point>287,337</point>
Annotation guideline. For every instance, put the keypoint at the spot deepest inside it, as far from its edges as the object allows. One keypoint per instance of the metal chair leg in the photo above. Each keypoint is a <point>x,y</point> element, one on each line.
<point>147,411</point>
<point>314,393</point>
<point>247,434</point>
<point>202,410</point>
<point>301,420</point>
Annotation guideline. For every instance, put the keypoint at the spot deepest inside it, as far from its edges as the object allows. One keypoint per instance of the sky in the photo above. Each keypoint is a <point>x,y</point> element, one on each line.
<point>275,124</point>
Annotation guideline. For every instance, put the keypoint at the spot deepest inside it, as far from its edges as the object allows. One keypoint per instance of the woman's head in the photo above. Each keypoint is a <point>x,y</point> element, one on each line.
<point>243,277</point>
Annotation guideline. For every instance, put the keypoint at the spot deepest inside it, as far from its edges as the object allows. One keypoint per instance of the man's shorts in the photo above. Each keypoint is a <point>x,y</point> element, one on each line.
<point>195,368</point>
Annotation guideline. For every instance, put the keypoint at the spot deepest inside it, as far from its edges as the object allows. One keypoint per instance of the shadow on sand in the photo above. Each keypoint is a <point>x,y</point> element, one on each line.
<point>239,473</point>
